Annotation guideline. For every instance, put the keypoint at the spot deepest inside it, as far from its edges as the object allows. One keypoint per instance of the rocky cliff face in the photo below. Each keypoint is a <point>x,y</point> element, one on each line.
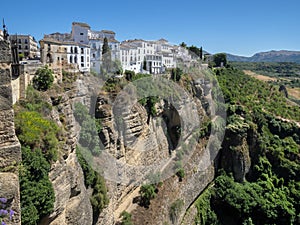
<point>145,140</point>
<point>72,204</point>
<point>10,151</point>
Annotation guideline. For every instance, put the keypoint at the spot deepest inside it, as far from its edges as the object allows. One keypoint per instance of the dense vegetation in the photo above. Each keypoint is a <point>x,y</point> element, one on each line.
<point>90,145</point>
<point>44,79</point>
<point>88,132</point>
<point>39,139</point>
<point>94,180</point>
<point>272,69</point>
<point>269,194</point>
<point>285,74</point>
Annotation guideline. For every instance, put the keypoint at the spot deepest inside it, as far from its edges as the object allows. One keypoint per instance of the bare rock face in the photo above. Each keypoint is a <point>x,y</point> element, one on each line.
<point>72,204</point>
<point>10,149</point>
<point>72,201</point>
<point>236,159</point>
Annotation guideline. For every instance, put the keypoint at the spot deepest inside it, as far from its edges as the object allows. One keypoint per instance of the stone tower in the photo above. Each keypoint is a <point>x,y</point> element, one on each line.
<point>10,149</point>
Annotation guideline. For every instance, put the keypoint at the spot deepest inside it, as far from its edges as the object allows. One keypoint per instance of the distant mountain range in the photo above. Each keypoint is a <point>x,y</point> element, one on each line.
<point>271,56</point>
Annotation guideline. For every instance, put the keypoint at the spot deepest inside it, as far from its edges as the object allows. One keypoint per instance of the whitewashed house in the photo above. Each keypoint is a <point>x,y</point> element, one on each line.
<point>82,33</point>
<point>154,56</point>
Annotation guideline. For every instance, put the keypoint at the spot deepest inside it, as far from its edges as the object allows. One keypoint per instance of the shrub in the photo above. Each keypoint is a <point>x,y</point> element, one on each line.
<point>147,193</point>
<point>37,193</point>
<point>37,132</point>
<point>175,210</point>
<point>44,79</point>
<point>92,179</point>
<point>126,218</point>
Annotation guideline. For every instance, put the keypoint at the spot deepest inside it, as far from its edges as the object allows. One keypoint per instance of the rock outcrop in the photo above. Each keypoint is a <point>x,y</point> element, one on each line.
<point>72,200</point>
<point>10,149</point>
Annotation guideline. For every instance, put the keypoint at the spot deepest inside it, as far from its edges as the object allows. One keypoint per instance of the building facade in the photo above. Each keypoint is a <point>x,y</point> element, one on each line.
<point>82,33</point>
<point>152,57</point>
<point>65,55</point>
<point>27,46</point>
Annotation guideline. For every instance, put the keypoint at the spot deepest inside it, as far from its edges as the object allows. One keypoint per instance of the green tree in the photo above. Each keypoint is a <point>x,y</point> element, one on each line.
<point>176,74</point>
<point>105,47</point>
<point>106,66</point>
<point>183,45</point>
<point>201,53</point>
<point>147,193</point>
<point>195,50</point>
<point>43,79</point>
<point>220,59</point>
<point>126,218</point>
<point>37,193</point>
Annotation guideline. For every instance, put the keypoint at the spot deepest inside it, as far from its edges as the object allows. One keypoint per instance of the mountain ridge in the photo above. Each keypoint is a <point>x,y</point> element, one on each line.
<point>268,56</point>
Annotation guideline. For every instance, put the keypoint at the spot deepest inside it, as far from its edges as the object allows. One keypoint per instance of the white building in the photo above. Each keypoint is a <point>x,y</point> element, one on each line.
<point>82,33</point>
<point>67,55</point>
<point>27,45</point>
<point>154,56</point>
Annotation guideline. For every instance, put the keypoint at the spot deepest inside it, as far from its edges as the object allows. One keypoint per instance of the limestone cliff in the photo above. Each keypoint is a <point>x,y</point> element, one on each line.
<point>10,151</point>
<point>72,204</point>
<point>144,140</point>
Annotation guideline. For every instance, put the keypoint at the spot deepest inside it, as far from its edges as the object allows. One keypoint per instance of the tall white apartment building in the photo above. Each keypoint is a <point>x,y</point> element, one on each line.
<point>82,33</point>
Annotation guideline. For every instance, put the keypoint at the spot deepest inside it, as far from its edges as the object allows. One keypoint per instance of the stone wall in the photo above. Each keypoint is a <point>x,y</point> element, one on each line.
<point>10,149</point>
<point>20,84</point>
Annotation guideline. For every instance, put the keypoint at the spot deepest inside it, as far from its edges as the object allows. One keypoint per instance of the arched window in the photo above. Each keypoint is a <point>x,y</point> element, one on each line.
<point>71,49</point>
<point>76,50</point>
<point>75,59</point>
<point>49,58</point>
<point>71,59</point>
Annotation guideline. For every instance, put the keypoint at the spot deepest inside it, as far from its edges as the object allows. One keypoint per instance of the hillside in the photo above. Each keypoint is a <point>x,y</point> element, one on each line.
<point>257,181</point>
<point>270,56</point>
<point>252,180</point>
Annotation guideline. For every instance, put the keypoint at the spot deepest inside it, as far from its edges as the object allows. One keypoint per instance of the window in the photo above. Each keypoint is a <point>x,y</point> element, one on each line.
<point>20,47</point>
<point>26,46</point>
<point>88,59</point>
<point>81,33</point>
<point>94,64</point>
<point>82,65</point>
<point>75,59</point>
<point>75,49</point>
<point>82,59</point>
<point>57,58</point>
<point>71,59</point>
<point>82,51</point>
<point>71,49</point>
<point>26,41</point>
<point>20,41</point>
<point>94,55</point>
<point>88,65</point>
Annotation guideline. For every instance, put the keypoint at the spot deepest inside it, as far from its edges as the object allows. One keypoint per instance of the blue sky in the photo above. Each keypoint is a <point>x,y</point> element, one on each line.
<point>240,27</point>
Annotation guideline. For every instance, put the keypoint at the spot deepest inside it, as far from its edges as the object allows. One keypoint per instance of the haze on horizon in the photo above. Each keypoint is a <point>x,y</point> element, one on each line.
<point>237,27</point>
